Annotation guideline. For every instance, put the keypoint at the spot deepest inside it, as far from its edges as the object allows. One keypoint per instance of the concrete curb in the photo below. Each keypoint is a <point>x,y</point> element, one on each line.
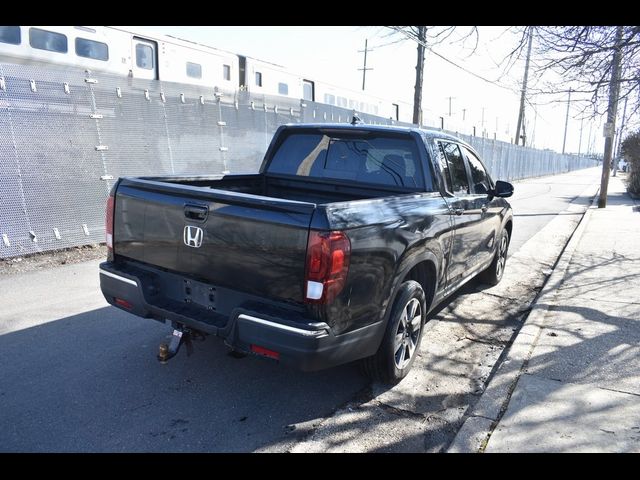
<point>485,415</point>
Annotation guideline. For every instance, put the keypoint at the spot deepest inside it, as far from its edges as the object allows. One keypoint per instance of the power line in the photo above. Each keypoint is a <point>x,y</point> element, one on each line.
<point>424,44</point>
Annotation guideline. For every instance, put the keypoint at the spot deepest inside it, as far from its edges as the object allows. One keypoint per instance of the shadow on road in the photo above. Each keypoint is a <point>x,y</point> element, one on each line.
<point>91,382</point>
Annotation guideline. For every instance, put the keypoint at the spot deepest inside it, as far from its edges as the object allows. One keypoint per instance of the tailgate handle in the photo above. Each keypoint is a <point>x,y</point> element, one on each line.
<point>196,212</point>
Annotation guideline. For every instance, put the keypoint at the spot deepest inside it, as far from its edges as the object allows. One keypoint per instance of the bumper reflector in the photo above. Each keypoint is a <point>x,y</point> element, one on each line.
<point>265,351</point>
<point>123,303</point>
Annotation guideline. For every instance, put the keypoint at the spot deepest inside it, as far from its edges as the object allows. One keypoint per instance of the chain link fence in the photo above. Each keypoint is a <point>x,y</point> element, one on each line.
<point>66,135</point>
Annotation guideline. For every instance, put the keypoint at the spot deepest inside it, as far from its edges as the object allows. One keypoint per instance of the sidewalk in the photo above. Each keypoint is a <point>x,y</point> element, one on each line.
<point>571,380</point>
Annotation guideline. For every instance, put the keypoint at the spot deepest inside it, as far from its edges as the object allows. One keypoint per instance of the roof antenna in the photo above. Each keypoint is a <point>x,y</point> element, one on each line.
<point>356,119</point>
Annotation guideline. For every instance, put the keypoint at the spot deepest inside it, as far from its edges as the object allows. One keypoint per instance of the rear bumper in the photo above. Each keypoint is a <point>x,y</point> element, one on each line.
<point>301,343</point>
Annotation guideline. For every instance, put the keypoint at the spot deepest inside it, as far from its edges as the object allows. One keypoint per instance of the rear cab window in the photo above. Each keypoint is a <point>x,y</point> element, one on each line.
<point>372,157</point>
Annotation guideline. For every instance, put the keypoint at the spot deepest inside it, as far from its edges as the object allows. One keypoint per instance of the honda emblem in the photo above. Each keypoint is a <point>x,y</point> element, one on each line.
<point>193,236</point>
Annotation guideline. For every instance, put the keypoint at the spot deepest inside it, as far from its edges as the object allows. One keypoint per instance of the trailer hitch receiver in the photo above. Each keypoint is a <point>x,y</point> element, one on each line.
<point>179,336</point>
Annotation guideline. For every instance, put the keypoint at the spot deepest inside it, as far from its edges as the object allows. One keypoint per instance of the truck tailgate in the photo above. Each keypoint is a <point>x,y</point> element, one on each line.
<point>246,242</point>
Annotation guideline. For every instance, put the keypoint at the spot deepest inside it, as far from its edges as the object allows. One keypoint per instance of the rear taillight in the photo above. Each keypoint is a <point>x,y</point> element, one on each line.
<point>109,221</point>
<point>327,266</point>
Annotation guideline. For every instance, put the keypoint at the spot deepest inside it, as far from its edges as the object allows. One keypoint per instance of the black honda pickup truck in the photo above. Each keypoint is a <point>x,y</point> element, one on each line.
<point>336,251</point>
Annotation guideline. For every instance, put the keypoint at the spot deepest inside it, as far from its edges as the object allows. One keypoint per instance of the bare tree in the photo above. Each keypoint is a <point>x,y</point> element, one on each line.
<point>427,37</point>
<point>601,64</point>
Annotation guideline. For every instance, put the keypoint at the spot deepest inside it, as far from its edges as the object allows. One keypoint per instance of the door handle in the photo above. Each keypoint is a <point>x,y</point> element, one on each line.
<point>458,211</point>
<point>196,212</point>
<point>484,208</point>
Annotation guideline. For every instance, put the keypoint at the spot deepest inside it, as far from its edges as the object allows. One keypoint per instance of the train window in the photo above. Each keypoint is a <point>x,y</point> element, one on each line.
<point>91,49</point>
<point>10,35</point>
<point>144,56</point>
<point>330,99</point>
<point>342,102</point>
<point>308,90</point>
<point>194,70</point>
<point>45,40</point>
<point>226,72</point>
<point>283,89</point>
<point>258,79</point>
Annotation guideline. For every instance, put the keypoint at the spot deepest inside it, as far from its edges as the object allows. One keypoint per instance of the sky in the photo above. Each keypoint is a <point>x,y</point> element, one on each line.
<point>332,54</point>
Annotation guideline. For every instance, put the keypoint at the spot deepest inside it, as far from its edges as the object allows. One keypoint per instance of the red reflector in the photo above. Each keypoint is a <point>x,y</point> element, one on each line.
<point>124,303</point>
<point>265,351</point>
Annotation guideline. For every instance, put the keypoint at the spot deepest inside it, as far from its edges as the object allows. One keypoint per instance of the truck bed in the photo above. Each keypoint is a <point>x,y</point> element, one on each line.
<point>310,190</point>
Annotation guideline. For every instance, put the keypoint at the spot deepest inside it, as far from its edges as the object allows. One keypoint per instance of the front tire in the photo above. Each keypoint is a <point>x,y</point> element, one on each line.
<point>399,347</point>
<point>493,274</point>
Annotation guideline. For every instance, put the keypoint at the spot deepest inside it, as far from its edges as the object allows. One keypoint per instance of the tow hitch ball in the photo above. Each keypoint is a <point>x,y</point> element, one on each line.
<point>178,337</point>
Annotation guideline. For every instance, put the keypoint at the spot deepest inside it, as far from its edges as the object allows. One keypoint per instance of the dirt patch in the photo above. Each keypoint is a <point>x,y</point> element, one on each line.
<point>44,260</point>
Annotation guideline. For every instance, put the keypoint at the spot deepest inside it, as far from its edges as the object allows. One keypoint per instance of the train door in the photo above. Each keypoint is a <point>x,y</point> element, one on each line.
<point>308,90</point>
<point>145,59</point>
<point>243,71</point>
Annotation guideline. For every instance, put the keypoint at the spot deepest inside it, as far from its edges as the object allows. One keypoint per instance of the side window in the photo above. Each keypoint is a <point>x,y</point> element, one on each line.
<point>258,79</point>
<point>226,72</point>
<point>283,89</point>
<point>330,99</point>
<point>144,56</point>
<point>194,70</point>
<point>444,167</point>
<point>457,170</point>
<point>479,178</point>
<point>45,40</point>
<point>91,49</point>
<point>10,35</point>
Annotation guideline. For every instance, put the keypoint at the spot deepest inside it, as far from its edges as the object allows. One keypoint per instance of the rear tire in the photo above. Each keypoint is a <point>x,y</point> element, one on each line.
<point>494,273</point>
<point>399,347</point>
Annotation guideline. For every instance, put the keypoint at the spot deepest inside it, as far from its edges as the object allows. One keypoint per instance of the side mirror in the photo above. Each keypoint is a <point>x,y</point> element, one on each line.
<point>503,189</point>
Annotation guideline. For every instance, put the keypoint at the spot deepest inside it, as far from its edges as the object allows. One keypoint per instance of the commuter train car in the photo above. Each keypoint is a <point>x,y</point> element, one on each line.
<point>172,59</point>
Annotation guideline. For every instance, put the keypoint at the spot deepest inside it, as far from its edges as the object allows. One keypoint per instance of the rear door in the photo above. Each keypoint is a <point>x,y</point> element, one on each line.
<point>489,207</point>
<point>145,58</point>
<point>467,214</point>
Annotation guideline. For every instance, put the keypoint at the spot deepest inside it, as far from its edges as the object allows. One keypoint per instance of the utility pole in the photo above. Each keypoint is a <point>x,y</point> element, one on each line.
<point>589,141</point>
<point>533,133</point>
<point>580,141</point>
<point>610,126</point>
<point>364,68</point>
<point>524,86</point>
<point>450,104</point>
<point>483,129</point>
<point>616,157</point>
<point>464,114</point>
<point>417,96</point>
<point>566,122</point>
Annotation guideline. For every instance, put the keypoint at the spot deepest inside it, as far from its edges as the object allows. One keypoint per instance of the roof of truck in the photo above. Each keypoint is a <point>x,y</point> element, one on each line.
<point>431,132</point>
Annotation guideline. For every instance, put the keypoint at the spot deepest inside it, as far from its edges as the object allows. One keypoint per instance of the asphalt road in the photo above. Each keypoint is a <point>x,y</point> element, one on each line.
<point>537,201</point>
<point>77,375</point>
